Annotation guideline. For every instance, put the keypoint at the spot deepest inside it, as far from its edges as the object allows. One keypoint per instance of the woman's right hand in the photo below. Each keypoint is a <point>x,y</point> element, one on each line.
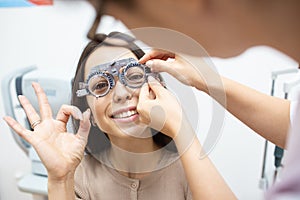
<point>60,151</point>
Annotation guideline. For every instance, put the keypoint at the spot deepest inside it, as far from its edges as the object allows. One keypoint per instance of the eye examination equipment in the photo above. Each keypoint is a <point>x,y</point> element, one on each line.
<point>278,152</point>
<point>58,91</point>
<point>101,78</point>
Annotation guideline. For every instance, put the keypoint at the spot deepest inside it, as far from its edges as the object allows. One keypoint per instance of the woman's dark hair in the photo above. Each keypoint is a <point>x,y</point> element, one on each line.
<point>98,141</point>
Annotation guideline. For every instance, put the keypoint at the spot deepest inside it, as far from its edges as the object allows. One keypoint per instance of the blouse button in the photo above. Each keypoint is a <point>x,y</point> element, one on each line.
<point>133,185</point>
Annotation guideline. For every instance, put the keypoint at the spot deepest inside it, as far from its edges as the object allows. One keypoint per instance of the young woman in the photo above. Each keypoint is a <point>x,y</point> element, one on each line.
<point>127,157</point>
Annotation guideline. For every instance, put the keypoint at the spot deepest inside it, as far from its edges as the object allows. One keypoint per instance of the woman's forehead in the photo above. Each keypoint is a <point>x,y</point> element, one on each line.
<point>106,54</point>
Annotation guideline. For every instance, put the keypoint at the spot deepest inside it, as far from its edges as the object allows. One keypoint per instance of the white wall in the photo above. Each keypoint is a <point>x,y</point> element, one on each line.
<point>53,37</point>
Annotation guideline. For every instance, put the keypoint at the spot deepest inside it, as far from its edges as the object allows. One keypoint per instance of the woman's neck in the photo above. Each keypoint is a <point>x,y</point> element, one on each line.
<point>134,145</point>
<point>134,157</point>
<point>141,143</point>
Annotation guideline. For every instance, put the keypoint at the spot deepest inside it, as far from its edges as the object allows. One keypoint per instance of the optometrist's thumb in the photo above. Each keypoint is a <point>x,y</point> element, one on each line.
<point>155,86</point>
<point>144,93</point>
<point>85,125</point>
<point>157,65</point>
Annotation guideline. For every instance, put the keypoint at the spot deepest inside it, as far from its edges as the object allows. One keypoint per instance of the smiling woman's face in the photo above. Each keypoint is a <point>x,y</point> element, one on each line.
<point>115,113</point>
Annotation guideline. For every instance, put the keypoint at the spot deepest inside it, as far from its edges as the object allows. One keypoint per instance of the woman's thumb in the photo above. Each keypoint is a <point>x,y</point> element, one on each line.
<point>84,127</point>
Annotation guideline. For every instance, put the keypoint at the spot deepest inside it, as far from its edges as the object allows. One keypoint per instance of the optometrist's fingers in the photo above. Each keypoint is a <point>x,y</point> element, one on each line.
<point>20,130</point>
<point>157,65</point>
<point>85,125</point>
<point>151,94</point>
<point>156,54</point>
<point>155,86</point>
<point>178,68</point>
<point>65,111</point>
<point>45,109</point>
<point>31,113</point>
<point>145,93</point>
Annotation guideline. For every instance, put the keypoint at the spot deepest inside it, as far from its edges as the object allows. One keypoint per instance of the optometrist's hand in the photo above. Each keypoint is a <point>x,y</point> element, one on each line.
<point>174,64</point>
<point>60,151</point>
<point>159,108</point>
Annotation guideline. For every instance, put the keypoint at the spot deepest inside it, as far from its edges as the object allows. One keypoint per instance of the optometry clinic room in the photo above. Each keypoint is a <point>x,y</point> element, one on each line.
<point>127,99</point>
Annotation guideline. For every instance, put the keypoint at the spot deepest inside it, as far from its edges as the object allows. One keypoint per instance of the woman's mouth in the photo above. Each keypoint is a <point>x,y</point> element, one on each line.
<point>124,114</point>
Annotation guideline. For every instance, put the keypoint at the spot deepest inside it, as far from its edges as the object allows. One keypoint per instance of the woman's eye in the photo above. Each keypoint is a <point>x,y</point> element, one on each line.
<point>135,74</point>
<point>135,77</point>
<point>100,87</point>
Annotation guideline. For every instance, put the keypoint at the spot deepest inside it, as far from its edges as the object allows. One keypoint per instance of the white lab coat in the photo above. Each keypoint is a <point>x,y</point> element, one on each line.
<point>288,188</point>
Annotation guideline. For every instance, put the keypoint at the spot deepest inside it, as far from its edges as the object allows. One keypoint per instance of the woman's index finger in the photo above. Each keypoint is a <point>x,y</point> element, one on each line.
<point>45,108</point>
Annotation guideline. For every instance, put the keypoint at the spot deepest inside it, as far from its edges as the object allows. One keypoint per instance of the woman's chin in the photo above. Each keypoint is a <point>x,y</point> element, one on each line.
<point>136,131</point>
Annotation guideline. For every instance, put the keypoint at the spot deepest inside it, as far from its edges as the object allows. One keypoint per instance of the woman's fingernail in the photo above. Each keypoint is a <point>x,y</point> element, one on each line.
<point>20,96</point>
<point>87,112</point>
<point>79,115</point>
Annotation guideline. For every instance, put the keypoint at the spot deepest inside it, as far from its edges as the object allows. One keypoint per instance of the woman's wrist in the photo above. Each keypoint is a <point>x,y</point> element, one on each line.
<point>61,179</point>
<point>61,188</point>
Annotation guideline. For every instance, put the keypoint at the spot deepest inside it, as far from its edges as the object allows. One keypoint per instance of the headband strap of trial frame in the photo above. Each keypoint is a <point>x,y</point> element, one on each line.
<point>130,43</point>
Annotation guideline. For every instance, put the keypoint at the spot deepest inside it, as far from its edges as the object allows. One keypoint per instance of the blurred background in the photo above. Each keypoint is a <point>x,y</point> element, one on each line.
<point>52,36</point>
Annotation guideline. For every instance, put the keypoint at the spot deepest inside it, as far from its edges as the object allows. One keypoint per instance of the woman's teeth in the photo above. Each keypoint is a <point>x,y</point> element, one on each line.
<point>125,114</point>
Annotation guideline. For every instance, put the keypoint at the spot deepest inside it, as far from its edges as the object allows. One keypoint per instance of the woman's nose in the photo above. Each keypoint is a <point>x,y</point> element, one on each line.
<point>121,93</point>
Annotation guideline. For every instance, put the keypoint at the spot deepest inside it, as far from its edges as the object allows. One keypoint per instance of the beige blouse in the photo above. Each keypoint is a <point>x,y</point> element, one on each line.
<point>96,181</point>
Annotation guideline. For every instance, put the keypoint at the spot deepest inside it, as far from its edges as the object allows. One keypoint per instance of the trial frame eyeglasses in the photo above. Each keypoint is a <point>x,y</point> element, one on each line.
<point>101,77</point>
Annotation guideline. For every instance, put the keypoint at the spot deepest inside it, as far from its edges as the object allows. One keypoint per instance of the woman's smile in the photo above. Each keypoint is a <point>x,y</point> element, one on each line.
<point>125,115</point>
